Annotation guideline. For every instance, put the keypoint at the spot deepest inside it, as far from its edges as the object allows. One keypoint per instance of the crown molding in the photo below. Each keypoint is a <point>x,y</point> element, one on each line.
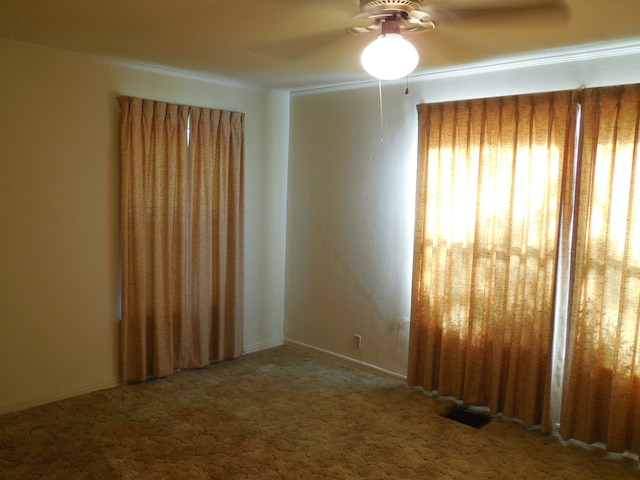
<point>179,73</point>
<point>540,58</point>
<point>587,52</point>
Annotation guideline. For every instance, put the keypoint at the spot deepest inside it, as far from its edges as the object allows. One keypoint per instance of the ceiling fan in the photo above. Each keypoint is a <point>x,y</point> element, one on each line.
<point>397,19</point>
<point>407,15</point>
<point>420,15</point>
<point>390,56</point>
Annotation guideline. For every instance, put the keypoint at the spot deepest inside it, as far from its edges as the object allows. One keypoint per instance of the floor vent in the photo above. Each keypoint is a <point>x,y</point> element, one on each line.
<point>463,415</point>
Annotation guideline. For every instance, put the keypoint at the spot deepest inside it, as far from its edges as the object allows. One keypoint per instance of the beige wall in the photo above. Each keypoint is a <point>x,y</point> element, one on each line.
<point>59,220</point>
<point>347,208</point>
<point>350,202</point>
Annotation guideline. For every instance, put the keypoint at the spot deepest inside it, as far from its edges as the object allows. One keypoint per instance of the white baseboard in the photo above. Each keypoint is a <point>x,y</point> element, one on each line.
<point>352,361</point>
<point>256,347</point>
<point>17,405</point>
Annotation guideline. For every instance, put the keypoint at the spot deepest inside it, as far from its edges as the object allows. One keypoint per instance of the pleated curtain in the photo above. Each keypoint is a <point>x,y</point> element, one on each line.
<point>489,193</point>
<point>182,236</point>
<point>528,228</point>
<point>602,390</point>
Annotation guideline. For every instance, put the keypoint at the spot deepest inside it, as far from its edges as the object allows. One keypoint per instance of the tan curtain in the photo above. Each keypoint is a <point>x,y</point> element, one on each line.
<point>182,236</point>
<point>602,400</point>
<point>487,214</point>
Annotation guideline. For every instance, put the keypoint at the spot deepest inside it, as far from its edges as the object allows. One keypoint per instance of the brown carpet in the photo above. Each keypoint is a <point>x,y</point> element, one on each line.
<point>284,413</point>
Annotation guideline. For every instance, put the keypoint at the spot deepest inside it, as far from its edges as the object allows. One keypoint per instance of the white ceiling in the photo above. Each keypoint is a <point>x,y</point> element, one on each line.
<point>293,44</point>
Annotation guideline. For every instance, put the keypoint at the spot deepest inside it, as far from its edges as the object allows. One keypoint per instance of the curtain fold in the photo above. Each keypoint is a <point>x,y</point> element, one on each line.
<point>218,135</point>
<point>182,236</point>
<point>489,188</point>
<point>602,394</point>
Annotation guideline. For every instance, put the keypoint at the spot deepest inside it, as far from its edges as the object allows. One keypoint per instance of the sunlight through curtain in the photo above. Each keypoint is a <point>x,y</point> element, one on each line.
<point>182,224</point>
<point>602,399</point>
<point>487,228</point>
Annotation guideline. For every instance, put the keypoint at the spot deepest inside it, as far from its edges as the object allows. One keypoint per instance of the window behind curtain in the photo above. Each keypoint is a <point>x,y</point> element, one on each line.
<point>182,228</point>
<point>603,387</point>
<point>489,195</point>
<point>598,276</point>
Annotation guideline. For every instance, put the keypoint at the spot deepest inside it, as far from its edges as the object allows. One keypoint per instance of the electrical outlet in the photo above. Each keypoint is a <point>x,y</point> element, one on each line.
<point>357,341</point>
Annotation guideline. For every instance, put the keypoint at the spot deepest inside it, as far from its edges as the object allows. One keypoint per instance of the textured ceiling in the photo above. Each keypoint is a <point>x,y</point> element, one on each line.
<point>294,44</point>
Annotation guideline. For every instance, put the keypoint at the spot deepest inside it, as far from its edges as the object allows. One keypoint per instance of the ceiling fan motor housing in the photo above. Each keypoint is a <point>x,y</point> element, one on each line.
<point>378,7</point>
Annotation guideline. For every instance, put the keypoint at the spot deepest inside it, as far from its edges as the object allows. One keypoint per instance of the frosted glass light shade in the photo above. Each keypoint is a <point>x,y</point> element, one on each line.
<point>389,57</point>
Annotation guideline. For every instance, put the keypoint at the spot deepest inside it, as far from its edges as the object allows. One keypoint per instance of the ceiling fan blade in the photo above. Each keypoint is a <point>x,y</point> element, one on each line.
<point>291,50</point>
<point>366,29</point>
<point>448,47</point>
<point>535,11</point>
<point>344,6</point>
<point>417,24</point>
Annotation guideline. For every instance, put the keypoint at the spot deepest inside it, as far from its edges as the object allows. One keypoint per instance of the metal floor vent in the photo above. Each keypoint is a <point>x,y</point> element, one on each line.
<point>467,417</point>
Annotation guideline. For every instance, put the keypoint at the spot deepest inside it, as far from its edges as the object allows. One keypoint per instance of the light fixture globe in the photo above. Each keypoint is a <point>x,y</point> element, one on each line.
<point>389,57</point>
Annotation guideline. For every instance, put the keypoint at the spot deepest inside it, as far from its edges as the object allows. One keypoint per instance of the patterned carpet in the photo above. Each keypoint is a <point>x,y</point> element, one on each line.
<point>284,413</point>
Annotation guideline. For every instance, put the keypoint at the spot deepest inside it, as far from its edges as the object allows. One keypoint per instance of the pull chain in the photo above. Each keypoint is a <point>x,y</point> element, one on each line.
<point>381,111</point>
<point>406,92</point>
